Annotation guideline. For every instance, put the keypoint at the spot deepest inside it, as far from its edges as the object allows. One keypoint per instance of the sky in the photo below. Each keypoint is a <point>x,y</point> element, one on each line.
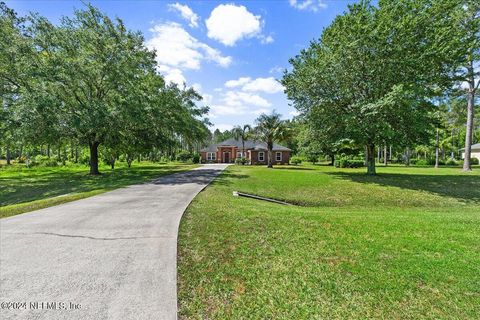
<point>232,53</point>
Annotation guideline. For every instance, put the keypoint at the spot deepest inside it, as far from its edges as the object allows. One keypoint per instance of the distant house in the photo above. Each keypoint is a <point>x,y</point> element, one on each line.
<point>255,152</point>
<point>475,151</point>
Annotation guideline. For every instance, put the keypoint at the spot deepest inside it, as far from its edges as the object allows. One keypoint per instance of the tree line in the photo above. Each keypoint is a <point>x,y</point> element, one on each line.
<point>89,82</point>
<point>386,74</point>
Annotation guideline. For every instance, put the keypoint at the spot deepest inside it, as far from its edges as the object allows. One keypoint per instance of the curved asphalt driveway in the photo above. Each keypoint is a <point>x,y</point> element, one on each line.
<point>111,256</point>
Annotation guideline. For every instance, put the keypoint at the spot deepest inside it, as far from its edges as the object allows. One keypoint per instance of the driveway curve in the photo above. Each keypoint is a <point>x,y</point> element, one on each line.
<point>111,256</point>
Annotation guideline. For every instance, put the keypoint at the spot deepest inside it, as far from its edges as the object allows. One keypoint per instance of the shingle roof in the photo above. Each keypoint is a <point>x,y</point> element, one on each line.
<point>474,147</point>
<point>249,144</point>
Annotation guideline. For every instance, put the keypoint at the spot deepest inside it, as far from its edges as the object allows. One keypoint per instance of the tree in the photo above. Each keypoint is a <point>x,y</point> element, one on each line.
<point>369,75</point>
<point>466,48</point>
<point>93,66</point>
<point>243,134</point>
<point>269,129</point>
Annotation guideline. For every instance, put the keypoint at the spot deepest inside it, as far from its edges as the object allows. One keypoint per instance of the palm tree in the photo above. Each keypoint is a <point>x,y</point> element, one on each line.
<point>242,133</point>
<point>270,128</point>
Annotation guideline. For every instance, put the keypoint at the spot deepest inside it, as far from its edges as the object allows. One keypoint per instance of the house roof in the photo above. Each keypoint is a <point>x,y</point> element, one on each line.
<point>249,144</point>
<point>474,147</point>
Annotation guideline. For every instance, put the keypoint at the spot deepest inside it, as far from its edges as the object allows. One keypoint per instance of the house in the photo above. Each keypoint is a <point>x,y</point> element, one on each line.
<point>255,152</point>
<point>475,151</point>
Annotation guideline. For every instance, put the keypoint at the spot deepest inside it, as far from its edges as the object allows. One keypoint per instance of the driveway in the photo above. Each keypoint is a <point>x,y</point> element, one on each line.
<point>111,256</point>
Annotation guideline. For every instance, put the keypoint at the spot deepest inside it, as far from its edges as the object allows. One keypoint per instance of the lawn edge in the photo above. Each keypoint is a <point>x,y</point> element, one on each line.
<point>19,208</point>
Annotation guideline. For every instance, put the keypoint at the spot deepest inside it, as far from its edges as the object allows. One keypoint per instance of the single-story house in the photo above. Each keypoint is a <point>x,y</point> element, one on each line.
<point>255,152</point>
<point>475,151</point>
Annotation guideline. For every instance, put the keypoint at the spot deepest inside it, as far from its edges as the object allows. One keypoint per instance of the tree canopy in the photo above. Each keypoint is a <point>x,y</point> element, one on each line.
<point>92,81</point>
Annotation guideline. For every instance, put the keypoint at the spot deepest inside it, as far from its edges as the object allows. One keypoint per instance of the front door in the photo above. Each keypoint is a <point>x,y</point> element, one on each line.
<point>226,157</point>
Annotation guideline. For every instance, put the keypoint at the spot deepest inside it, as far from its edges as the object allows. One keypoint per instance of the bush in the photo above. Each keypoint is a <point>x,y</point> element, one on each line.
<point>184,156</point>
<point>474,161</point>
<point>451,162</point>
<point>44,161</point>
<point>348,163</point>
<point>84,159</point>
<point>241,161</point>
<point>296,160</point>
<point>196,158</point>
<point>422,162</point>
<point>414,161</point>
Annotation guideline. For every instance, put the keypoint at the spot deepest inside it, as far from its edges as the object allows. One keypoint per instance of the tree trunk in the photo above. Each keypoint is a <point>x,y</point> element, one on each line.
<point>469,135</point>
<point>64,158</point>
<point>371,159</point>
<point>8,156</point>
<point>270,154</point>
<point>112,163</point>
<point>407,156</point>
<point>437,142</point>
<point>76,154</point>
<point>94,158</point>
<point>48,151</point>
<point>129,161</point>
<point>332,158</point>
<point>385,156</point>
<point>243,150</point>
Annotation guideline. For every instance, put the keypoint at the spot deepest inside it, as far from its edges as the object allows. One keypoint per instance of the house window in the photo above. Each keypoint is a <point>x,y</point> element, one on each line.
<point>278,156</point>
<point>211,156</point>
<point>239,154</point>
<point>261,156</point>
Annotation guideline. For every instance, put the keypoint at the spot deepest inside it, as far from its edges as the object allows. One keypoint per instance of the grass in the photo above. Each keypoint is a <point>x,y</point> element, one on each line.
<point>402,245</point>
<point>25,189</point>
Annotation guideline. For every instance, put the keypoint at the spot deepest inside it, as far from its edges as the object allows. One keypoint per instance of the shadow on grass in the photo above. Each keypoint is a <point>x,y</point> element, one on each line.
<point>292,168</point>
<point>462,187</point>
<point>18,188</point>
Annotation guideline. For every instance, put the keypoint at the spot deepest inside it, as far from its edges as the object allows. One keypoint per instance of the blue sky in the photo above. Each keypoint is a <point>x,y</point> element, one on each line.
<point>232,52</point>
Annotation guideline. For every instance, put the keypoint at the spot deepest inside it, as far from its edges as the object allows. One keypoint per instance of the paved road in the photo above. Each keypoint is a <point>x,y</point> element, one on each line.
<point>113,256</point>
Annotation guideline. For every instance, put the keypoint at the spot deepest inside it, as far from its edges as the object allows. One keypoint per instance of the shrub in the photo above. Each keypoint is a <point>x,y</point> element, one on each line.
<point>196,158</point>
<point>414,161</point>
<point>422,162</point>
<point>44,161</point>
<point>296,160</point>
<point>474,161</point>
<point>451,162</point>
<point>184,156</point>
<point>84,159</point>
<point>241,161</point>
<point>348,163</point>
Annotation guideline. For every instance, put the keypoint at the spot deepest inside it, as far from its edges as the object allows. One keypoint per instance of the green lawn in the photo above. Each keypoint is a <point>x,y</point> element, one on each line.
<point>402,245</point>
<point>25,189</point>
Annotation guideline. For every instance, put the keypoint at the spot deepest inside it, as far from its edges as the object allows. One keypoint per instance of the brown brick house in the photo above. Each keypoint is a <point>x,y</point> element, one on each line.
<point>255,152</point>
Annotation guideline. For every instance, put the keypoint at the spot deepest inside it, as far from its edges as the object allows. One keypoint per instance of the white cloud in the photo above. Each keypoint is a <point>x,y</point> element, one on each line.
<point>276,69</point>
<point>226,110</point>
<point>311,5</point>
<point>238,99</point>
<point>266,39</point>
<point>229,23</point>
<point>266,85</point>
<point>237,83</point>
<point>222,126</point>
<point>207,98</point>
<point>173,75</point>
<point>294,113</point>
<point>177,50</point>
<point>186,13</point>
<point>260,111</point>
